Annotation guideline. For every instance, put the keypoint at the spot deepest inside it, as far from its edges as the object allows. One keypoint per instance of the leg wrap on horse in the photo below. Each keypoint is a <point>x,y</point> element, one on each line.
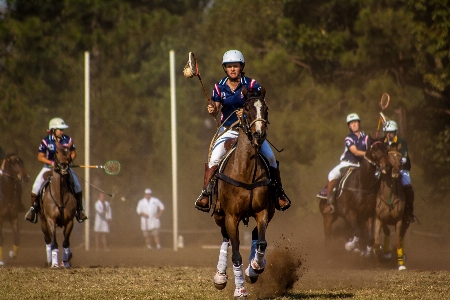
<point>222,264</point>
<point>238,275</point>
<point>48,249</point>
<point>283,202</point>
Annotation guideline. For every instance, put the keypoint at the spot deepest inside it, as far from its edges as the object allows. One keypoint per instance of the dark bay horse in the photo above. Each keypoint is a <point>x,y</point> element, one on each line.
<point>244,191</point>
<point>389,210</point>
<point>14,175</point>
<point>58,207</point>
<point>356,198</point>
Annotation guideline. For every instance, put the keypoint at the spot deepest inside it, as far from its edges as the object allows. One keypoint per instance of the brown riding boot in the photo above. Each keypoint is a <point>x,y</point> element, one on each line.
<point>283,201</point>
<point>202,202</point>
<point>31,215</point>
<point>409,199</point>
<point>80,214</point>
<point>331,190</point>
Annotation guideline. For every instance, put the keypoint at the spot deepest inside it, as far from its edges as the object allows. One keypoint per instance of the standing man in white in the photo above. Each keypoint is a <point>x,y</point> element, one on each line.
<point>150,210</point>
<point>103,215</point>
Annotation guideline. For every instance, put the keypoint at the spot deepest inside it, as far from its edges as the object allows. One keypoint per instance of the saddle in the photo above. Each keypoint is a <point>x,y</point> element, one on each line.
<point>230,146</point>
<point>347,172</point>
<point>47,179</point>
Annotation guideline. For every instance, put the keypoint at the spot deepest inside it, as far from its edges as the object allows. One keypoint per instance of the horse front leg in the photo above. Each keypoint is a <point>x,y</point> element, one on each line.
<point>368,225</point>
<point>352,245</point>
<point>67,254</point>
<point>221,277</point>
<point>399,234</point>
<point>258,263</point>
<point>232,228</point>
<point>51,227</point>
<point>48,241</point>
<point>16,238</point>
<point>377,231</point>
<point>387,242</point>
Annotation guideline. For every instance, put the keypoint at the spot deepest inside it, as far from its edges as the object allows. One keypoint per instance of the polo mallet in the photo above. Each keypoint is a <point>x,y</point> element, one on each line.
<point>111,167</point>
<point>190,70</point>
<point>384,103</point>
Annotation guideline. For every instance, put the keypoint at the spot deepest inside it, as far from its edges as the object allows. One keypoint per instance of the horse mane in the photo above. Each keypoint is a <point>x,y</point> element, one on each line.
<point>254,93</point>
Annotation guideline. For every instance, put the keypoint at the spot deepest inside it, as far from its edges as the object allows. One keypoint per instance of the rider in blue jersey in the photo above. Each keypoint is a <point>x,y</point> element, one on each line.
<point>46,155</point>
<point>226,98</point>
<point>356,145</point>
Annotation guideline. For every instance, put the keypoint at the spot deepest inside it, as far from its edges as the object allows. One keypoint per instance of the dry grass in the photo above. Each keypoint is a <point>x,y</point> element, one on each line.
<point>196,283</point>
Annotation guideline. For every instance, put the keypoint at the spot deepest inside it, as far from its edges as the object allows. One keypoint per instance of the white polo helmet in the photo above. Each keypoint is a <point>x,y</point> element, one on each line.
<point>390,126</point>
<point>57,123</point>
<point>353,117</point>
<point>232,56</point>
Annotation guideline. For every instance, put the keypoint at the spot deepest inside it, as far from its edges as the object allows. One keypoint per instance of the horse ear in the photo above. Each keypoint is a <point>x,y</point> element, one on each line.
<point>244,91</point>
<point>263,92</point>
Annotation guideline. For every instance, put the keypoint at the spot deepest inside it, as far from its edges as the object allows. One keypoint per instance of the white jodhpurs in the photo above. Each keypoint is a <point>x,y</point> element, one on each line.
<point>40,180</point>
<point>218,149</point>
<point>336,172</point>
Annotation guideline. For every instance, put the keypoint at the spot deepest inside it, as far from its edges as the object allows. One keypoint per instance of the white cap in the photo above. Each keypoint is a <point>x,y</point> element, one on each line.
<point>148,191</point>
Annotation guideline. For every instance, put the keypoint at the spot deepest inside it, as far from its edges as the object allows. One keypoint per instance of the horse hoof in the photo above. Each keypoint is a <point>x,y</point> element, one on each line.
<point>55,266</point>
<point>349,247</point>
<point>250,275</point>
<point>11,254</point>
<point>220,281</point>
<point>65,264</point>
<point>2,263</point>
<point>401,268</point>
<point>240,293</point>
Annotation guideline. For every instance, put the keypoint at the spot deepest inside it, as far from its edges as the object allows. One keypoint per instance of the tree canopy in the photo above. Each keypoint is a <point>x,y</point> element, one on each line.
<point>319,61</point>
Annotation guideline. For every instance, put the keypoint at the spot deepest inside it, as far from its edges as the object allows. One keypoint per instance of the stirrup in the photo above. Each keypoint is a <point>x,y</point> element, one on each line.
<point>32,214</point>
<point>288,203</point>
<point>205,209</point>
<point>79,218</point>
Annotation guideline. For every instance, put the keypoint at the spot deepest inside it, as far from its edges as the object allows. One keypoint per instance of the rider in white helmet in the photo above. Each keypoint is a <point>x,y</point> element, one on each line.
<point>356,145</point>
<point>227,98</point>
<point>46,155</point>
<point>391,139</point>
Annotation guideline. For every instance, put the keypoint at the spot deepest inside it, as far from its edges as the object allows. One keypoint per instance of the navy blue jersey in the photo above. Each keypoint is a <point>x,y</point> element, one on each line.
<point>232,100</point>
<point>361,143</point>
<point>48,145</point>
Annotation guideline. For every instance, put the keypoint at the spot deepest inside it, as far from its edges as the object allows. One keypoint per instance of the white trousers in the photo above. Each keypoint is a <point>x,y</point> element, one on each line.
<point>336,172</point>
<point>218,150</point>
<point>40,180</point>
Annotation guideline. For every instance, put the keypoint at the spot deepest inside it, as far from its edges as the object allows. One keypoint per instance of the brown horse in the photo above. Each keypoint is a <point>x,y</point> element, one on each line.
<point>58,207</point>
<point>14,175</point>
<point>243,191</point>
<point>390,211</point>
<point>356,197</point>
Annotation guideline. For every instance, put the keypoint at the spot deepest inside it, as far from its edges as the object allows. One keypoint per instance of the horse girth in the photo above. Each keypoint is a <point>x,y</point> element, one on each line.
<point>247,186</point>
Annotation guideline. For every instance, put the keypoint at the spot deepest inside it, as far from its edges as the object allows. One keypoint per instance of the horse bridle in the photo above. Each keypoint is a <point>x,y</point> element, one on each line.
<point>61,168</point>
<point>245,125</point>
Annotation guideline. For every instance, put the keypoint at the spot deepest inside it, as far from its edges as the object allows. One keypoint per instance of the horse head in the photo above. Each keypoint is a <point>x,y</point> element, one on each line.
<point>377,155</point>
<point>14,167</point>
<point>62,159</point>
<point>395,159</point>
<point>255,116</point>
